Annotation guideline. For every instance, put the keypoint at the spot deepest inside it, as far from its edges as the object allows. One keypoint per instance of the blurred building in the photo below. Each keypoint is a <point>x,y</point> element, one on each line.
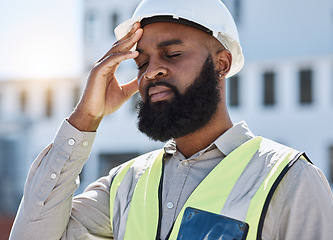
<point>284,92</point>
<point>40,81</point>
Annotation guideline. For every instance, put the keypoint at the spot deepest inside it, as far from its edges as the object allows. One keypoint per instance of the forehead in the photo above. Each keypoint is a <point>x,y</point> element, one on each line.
<point>178,34</point>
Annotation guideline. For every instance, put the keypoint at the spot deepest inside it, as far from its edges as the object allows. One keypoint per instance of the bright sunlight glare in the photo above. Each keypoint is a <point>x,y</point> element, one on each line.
<point>43,39</point>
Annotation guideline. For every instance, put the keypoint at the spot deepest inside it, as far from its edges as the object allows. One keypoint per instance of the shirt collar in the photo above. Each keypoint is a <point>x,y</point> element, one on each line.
<point>226,143</point>
<point>233,138</point>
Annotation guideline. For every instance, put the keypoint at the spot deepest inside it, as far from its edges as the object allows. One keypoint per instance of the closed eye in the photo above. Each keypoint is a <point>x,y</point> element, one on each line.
<point>142,65</point>
<point>173,55</point>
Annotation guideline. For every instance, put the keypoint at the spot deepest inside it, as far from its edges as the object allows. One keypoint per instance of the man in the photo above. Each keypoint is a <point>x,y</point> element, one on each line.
<point>184,52</point>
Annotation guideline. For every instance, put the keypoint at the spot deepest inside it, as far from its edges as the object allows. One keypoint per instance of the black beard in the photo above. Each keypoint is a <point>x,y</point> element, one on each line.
<point>185,113</point>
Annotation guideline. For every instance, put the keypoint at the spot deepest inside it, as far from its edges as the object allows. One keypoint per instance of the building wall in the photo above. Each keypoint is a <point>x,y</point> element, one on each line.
<point>286,29</point>
<point>30,114</point>
<point>305,127</point>
<point>40,62</point>
<point>285,38</point>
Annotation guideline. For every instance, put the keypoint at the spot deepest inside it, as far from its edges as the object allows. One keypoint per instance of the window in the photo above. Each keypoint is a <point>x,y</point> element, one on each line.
<point>237,10</point>
<point>114,22</point>
<point>9,163</point>
<point>49,103</point>
<point>234,91</point>
<point>331,164</point>
<point>92,27</point>
<point>23,101</point>
<point>305,86</point>
<point>269,88</point>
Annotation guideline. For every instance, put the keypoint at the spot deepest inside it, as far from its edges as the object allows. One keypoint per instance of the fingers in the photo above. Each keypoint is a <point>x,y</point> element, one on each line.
<point>135,27</point>
<point>127,42</point>
<point>130,88</point>
<point>112,61</point>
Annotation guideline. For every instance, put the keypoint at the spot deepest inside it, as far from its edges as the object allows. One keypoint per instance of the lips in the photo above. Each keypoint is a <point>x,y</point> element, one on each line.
<point>159,93</point>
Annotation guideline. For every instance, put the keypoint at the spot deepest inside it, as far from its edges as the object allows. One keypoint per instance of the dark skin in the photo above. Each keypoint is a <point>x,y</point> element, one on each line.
<point>168,52</point>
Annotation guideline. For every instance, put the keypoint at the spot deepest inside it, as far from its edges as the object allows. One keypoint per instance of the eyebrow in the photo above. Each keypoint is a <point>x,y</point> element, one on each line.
<point>170,42</point>
<point>166,43</point>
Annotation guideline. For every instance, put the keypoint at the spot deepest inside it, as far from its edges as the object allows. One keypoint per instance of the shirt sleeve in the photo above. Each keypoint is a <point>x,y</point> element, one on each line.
<point>90,218</point>
<point>302,206</point>
<point>46,206</point>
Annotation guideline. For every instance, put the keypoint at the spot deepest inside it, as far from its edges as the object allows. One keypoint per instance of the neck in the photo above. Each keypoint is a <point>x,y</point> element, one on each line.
<point>194,142</point>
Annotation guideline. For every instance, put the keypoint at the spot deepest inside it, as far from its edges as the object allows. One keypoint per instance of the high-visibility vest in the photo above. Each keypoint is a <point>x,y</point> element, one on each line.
<point>240,186</point>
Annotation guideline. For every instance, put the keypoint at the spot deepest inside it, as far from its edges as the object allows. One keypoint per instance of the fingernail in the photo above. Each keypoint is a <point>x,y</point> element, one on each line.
<point>134,25</point>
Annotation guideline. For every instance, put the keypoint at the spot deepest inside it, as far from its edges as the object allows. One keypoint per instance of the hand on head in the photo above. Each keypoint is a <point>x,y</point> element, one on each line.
<point>103,94</point>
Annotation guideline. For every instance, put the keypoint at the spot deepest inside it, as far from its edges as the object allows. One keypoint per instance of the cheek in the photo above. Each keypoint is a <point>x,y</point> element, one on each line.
<point>192,66</point>
<point>186,77</point>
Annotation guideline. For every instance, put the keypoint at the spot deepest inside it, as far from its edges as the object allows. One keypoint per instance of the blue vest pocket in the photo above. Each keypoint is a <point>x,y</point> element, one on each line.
<point>198,224</point>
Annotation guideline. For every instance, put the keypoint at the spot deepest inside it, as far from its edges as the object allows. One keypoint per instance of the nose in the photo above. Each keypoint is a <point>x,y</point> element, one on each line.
<point>154,71</point>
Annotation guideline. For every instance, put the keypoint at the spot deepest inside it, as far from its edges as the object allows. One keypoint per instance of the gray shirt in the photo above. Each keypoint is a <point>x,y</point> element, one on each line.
<point>301,208</point>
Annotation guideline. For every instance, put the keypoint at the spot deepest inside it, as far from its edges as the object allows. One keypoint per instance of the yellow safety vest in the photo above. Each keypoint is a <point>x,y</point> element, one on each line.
<point>135,194</point>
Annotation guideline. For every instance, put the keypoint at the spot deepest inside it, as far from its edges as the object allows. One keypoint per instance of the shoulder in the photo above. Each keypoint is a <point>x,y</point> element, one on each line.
<point>137,164</point>
<point>295,204</point>
<point>143,159</point>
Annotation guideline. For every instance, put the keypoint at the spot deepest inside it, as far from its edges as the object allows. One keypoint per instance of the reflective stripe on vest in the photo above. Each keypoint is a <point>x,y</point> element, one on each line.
<point>122,189</point>
<point>240,186</point>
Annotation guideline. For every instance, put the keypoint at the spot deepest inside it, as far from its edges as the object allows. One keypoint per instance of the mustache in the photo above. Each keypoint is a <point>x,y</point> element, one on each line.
<point>161,83</point>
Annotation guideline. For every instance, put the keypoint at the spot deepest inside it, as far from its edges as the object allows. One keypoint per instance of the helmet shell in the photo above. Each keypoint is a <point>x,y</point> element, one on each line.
<point>211,14</point>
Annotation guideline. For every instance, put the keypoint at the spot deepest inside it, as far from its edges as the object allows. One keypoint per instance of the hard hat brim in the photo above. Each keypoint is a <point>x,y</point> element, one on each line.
<point>233,46</point>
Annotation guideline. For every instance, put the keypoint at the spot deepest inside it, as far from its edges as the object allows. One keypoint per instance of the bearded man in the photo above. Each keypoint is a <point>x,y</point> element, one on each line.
<point>184,51</point>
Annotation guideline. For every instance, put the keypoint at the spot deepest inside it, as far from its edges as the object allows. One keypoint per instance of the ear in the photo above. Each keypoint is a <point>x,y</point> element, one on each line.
<point>224,59</point>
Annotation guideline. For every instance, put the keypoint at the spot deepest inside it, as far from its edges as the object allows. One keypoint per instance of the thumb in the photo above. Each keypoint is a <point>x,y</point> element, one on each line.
<point>130,88</point>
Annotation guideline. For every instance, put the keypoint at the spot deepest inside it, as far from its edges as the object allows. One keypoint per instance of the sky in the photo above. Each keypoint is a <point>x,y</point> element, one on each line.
<point>40,39</point>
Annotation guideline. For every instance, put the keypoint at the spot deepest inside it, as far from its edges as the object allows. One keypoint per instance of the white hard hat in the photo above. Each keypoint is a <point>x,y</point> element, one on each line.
<point>208,15</point>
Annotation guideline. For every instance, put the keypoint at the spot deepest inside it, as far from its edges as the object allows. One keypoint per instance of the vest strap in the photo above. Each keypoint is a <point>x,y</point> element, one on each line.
<point>115,185</point>
<point>267,188</point>
<point>122,190</point>
<point>224,176</point>
<point>144,211</point>
<point>272,190</point>
<point>240,186</point>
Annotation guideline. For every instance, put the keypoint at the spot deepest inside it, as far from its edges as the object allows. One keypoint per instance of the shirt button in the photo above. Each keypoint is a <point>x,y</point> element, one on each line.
<point>53,176</point>
<point>169,205</point>
<point>185,163</point>
<point>85,143</point>
<point>71,142</point>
